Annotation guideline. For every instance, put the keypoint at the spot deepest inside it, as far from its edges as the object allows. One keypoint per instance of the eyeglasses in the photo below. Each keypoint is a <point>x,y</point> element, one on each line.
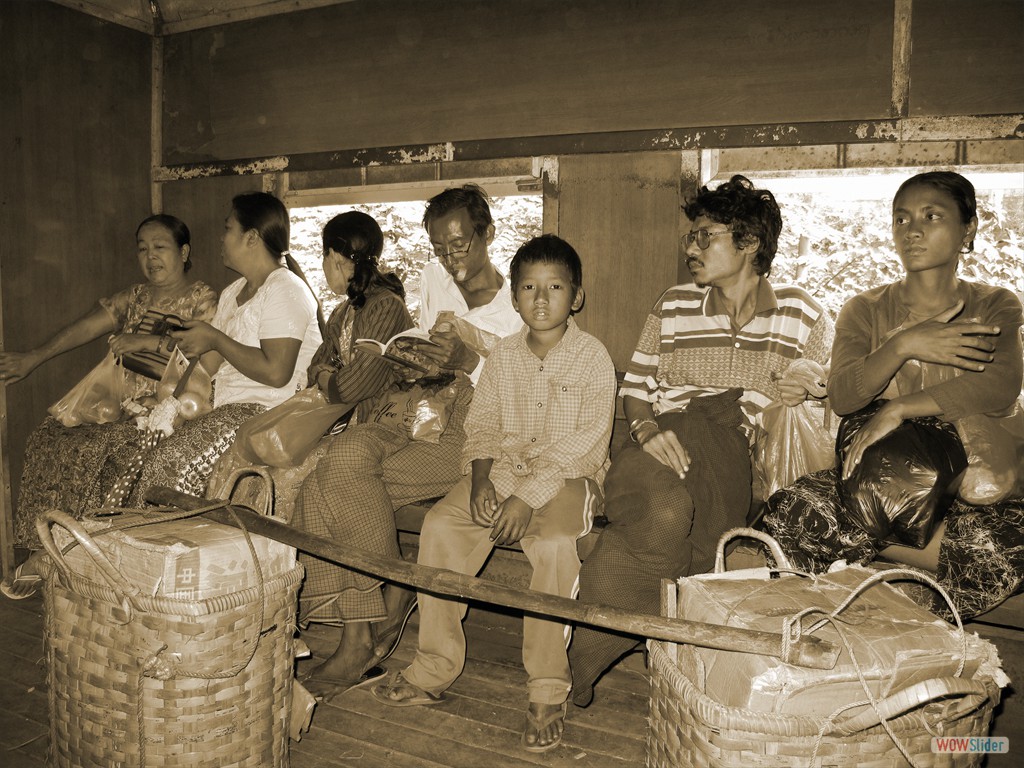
<point>455,252</point>
<point>702,237</point>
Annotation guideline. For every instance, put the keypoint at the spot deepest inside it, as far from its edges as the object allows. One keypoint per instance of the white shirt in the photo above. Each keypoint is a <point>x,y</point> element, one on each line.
<point>438,292</point>
<point>282,308</point>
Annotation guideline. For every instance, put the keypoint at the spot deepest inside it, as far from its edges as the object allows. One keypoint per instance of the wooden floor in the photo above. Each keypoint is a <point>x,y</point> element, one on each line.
<point>477,727</point>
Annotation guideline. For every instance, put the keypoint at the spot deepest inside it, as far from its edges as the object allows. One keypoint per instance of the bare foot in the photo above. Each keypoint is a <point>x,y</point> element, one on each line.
<point>326,688</point>
<point>353,656</point>
<point>397,600</point>
<point>399,692</point>
<point>544,726</point>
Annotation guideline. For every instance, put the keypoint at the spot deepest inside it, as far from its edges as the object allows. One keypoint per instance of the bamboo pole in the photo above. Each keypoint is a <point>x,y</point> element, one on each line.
<point>807,651</point>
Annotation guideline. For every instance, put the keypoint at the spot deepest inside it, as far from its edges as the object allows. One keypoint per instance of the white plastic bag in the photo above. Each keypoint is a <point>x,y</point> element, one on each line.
<point>96,399</point>
<point>794,443</point>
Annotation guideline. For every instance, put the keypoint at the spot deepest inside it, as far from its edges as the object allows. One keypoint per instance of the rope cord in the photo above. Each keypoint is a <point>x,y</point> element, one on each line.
<point>792,630</point>
<point>867,690</point>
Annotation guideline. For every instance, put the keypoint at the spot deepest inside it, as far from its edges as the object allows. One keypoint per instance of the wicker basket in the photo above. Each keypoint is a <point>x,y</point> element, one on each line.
<point>136,680</point>
<point>689,728</point>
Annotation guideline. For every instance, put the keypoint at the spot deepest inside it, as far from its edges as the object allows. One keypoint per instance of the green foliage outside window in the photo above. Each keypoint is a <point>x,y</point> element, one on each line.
<point>833,248</point>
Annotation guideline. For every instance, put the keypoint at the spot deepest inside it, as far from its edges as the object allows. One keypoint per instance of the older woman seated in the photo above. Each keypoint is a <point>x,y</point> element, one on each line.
<point>73,468</point>
<point>257,348</point>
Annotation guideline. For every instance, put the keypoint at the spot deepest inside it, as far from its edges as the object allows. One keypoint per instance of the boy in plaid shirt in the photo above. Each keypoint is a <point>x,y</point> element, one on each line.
<point>535,456</point>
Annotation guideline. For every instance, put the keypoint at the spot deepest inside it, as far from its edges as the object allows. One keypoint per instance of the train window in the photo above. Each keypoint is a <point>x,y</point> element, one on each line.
<point>406,247</point>
<point>837,240</point>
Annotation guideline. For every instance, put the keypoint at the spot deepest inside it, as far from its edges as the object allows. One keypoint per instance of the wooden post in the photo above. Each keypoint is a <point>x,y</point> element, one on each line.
<point>807,651</point>
<point>6,507</point>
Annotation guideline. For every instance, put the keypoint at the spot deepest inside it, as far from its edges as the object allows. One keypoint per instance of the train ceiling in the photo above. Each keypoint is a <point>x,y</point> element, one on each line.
<point>164,17</point>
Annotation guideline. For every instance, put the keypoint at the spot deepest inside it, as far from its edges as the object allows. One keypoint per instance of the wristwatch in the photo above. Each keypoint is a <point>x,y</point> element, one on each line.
<point>635,424</point>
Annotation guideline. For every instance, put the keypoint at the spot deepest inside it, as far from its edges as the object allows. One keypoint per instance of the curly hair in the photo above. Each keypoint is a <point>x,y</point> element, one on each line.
<point>748,211</point>
<point>469,196</point>
<point>357,236</point>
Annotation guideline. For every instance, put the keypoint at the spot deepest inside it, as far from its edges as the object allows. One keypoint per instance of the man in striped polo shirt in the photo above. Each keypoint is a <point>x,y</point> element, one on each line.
<point>712,354</point>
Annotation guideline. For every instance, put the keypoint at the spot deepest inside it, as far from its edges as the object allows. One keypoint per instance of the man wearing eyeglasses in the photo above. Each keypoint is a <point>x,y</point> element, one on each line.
<point>712,354</point>
<point>370,470</point>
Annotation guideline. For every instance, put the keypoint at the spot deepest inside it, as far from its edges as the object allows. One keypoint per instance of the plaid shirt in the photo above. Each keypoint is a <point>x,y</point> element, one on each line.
<point>542,421</point>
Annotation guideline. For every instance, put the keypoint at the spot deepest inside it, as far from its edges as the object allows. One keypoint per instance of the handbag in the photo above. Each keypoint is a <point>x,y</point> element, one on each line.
<point>146,363</point>
<point>96,399</point>
<point>420,409</point>
<point>284,435</point>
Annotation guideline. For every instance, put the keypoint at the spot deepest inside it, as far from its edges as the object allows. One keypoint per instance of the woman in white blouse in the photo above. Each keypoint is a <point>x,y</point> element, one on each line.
<point>267,327</point>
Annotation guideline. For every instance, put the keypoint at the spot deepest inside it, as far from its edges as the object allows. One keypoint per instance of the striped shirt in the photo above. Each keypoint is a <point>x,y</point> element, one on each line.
<point>688,347</point>
<point>542,421</point>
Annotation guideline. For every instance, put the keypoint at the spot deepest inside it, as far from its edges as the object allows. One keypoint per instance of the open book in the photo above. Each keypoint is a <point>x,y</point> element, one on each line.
<point>401,348</point>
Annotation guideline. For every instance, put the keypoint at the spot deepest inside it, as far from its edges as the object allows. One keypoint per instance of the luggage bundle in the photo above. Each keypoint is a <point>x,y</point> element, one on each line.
<point>168,644</point>
<point>903,675</point>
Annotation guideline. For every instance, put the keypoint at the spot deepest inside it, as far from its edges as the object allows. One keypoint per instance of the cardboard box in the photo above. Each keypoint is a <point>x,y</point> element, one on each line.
<point>894,641</point>
<point>188,559</point>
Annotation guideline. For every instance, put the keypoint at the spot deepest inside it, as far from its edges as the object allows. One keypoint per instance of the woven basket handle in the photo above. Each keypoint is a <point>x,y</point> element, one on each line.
<point>971,694</point>
<point>112,576</point>
<point>781,560</point>
<point>231,484</point>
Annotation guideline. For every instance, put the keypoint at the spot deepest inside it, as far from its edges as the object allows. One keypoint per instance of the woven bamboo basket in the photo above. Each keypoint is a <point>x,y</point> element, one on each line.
<point>690,729</point>
<point>156,681</point>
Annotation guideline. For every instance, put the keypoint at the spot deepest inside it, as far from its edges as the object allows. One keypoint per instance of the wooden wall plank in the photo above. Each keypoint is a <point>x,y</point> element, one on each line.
<point>203,204</point>
<point>621,213</point>
<point>75,169</point>
<point>367,74</point>
<point>966,58</point>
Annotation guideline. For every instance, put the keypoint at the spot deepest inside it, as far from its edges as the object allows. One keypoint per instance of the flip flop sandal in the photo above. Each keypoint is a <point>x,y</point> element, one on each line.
<point>420,697</point>
<point>532,721</point>
<point>389,640</point>
<point>314,681</point>
<point>18,586</point>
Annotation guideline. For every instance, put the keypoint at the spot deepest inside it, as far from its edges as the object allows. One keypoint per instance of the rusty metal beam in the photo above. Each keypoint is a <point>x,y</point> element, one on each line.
<point>965,128</point>
<point>311,161</point>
